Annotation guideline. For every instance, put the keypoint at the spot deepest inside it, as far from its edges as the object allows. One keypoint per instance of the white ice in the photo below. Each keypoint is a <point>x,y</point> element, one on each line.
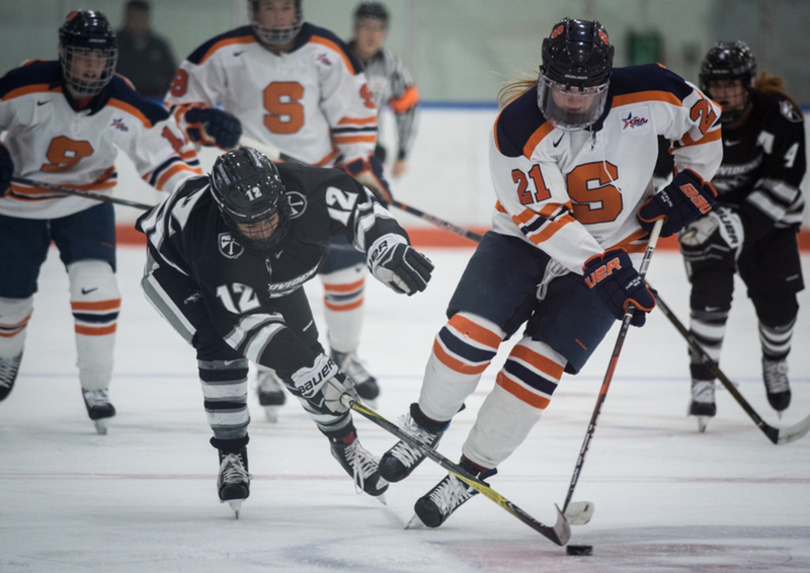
<point>143,497</point>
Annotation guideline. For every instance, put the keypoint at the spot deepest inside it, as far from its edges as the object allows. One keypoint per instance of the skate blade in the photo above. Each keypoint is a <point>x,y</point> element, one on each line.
<point>702,422</point>
<point>415,523</point>
<point>101,426</point>
<point>381,499</point>
<point>271,413</point>
<point>236,506</point>
<point>579,512</point>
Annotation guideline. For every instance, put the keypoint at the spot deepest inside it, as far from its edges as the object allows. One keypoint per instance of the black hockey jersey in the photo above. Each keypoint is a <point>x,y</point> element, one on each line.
<point>244,289</point>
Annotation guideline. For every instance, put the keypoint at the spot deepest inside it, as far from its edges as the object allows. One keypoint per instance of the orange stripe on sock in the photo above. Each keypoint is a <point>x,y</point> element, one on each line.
<point>344,287</point>
<point>543,364</point>
<point>467,327</point>
<point>455,364</point>
<point>18,325</point>
<point>96,330</point>
<point>112,304</point>
<point>343,307</point>
<point>521,393</point>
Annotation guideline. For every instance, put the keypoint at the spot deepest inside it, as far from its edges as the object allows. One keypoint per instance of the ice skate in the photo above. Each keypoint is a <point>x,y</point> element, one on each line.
<point>364,382</point>
<point>360,464</point>
<point>433,508</point>
<point>702,405</point>
<point>777,386</point>
<point>398,462</point>
<point>233,481</point>
<point>8,374</point>
<point>99,408</point>
<point>271,393</point>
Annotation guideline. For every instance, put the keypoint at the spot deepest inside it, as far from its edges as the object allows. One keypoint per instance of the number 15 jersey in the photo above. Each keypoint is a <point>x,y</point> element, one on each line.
<point>312,102</point>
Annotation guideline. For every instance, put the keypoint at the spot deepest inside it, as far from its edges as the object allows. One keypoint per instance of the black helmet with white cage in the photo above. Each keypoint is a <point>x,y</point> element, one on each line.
<point>275,36</point>
<point>577,64</point>
<point>87,52</point>
<point>247,188</point>
<point>728,61</point>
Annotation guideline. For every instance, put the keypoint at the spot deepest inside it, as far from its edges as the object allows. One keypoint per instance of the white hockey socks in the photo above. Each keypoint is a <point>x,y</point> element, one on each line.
<point>14,316</point>
<point>343,299</point>
<point>95,302</point>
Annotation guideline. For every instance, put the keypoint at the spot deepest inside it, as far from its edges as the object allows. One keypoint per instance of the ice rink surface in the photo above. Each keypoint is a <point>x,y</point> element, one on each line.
<point>143,498</point>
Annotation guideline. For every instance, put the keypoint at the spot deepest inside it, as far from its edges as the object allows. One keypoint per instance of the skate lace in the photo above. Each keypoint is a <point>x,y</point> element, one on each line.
<point>232,470</point>
<point>450,494</point>
<point>775,374</point>
<point>8,370</point>
<point>703,391</point>
<point>406,454</point>
<point>363,463</point>
<point>96,398</point>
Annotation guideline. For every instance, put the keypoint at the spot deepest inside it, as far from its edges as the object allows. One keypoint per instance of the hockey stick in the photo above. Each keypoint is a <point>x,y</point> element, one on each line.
<point>559,534</point>
<point>273,153</point>
<point>614,359</point>
<point>80,193</point>
<point>776,435</point>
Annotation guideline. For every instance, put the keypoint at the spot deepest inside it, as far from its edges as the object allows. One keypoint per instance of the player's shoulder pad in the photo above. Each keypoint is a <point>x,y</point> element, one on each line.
<point>520,122</point>
<point>241,35</point>
<point>317,35</point>
<point>777,110</point>
<point>122,95</point>
<point>650,81</point>
<point>47,73</point>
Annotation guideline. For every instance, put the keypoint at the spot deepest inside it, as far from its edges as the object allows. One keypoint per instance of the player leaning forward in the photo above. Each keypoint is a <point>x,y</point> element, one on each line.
<point>228,256</point>
<point>571,158</point>
<point>63,121</point>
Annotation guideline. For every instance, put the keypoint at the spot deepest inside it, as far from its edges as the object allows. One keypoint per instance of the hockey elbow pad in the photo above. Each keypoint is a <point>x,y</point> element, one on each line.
<point>685,199</point>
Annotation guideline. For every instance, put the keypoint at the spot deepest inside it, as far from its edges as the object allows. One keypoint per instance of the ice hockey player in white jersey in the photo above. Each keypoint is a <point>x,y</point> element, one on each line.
<point>390,82</point>
<point>572,155</point>
<point>296,87</point>
<point>228,256</point>
<point>63,121</point>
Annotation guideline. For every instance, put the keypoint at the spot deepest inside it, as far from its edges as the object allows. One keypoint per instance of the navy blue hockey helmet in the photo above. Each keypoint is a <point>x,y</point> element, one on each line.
<point>275,36</point>
<point>729,61</point>
<point>247,188</point>
<point>577,65</point>
<point>87,51</point>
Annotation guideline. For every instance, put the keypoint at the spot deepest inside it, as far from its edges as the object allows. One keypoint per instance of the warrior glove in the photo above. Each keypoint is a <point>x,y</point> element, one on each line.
<point>618,285</point>
<point>6,169</point>
<point>685,199</point>
<point>323,383</point>
<point>398,265</point>
<point>204,123</point>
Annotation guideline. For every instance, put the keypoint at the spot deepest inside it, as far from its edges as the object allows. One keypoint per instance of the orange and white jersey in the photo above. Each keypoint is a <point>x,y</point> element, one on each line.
<point>576,194</point>
<point>52,142</point>
<point>311,103</point>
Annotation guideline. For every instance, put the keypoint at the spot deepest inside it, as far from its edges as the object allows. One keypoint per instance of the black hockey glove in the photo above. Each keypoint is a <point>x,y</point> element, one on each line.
<point>323,384</point>
<point>205,122</point>
<point>6,169</point>
<point>398,265</point>
<point>685,199</point>
<point>617,283</point>
<point>716,239</point>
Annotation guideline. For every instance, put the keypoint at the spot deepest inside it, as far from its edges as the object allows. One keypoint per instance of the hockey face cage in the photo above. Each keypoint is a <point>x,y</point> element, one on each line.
<point>87,52</point>
<point>726,62</point>
<point>275,36</point>
<point>249,193</point>
<point>570,108</point>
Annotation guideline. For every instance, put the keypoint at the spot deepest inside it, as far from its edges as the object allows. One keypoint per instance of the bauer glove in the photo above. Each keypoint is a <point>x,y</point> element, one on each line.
<point>207,123</point>
<point>618,285</point>
<point>398,265</point>
<point>685,199</point>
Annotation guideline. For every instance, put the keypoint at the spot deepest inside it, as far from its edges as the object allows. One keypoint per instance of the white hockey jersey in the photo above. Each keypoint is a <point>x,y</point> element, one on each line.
<point>311,103</point>
<point>50,141</point>
<point>576,194</point>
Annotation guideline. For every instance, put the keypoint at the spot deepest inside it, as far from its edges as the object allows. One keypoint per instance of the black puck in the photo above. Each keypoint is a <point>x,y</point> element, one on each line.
<point>579,549</point>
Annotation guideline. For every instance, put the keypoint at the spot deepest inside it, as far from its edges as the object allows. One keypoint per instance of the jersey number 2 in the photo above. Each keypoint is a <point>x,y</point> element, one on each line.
<point>285,113</point>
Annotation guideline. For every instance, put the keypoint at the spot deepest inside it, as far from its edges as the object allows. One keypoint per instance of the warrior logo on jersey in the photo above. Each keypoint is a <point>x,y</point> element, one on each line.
<point>297,202</point>
<point>229,247</point>
<point>790,112</point>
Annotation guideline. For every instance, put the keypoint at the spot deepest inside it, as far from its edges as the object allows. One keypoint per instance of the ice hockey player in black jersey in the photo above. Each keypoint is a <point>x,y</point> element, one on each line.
<point>753,227</point>
<point>228,255</point>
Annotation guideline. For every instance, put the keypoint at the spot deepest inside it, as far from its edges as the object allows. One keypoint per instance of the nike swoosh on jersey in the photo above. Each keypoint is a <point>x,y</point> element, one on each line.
<point>43,102</point>
<point>730,143</point>
<point>559,140</point>
<point>89,290</point>
<point>239,53</point>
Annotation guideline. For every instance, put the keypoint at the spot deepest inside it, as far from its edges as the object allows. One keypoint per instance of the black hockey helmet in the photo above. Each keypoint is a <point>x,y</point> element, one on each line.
<point>275,36</point>
<point>371,11</point>
<point>729,61</point>
<point>247,188</point>
<point>88,35</point>
<point>577,61</point>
